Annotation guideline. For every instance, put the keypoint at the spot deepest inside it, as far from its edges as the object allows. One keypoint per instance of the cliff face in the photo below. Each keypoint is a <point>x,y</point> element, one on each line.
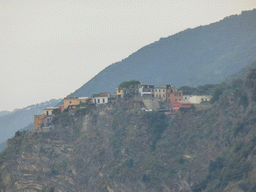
<point>117,147</point>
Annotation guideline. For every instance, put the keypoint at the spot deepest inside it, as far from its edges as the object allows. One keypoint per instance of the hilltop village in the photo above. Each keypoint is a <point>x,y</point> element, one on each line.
<point>148,93</point>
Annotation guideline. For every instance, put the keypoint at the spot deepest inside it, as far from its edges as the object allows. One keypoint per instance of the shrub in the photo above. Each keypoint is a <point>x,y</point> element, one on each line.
<point>216,95</point>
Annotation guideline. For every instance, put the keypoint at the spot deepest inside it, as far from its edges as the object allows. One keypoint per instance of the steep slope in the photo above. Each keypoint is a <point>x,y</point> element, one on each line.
<point>118,147</point>
<point>206,54</point>
<point>20,118</point>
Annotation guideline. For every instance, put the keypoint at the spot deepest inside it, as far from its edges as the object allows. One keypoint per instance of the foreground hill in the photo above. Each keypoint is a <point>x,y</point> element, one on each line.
<point>118,147</point>
<point>206,54</point>
<point>20,118</point>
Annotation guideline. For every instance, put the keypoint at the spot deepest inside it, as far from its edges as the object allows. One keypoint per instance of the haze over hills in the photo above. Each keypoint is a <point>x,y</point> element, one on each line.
<point>20,118</point>
<point>206,54</point>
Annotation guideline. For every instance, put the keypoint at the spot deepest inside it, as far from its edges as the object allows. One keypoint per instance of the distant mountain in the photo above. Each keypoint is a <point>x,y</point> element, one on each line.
<point>4,113</point>
<point>21,118</point>
<point>203,55</point>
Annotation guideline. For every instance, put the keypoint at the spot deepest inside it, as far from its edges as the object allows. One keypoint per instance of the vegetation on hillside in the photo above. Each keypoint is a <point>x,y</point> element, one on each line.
<point>126,84</point>
<point>117,146</point>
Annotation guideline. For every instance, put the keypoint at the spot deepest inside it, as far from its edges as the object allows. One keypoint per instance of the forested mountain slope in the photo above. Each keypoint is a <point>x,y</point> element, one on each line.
<point>205,54</point>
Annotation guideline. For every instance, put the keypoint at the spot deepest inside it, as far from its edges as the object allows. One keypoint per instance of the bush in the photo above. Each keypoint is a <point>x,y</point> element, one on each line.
<point>126,84</point>
<point>216,95</point>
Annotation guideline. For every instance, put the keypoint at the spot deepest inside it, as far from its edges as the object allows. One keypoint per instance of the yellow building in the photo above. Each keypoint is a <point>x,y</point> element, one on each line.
<point>119,93</point>
<point>74,101</point>
<point>38,121</point>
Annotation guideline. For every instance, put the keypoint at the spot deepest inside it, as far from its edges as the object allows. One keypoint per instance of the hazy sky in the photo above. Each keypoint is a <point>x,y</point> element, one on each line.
<point>51,48</point>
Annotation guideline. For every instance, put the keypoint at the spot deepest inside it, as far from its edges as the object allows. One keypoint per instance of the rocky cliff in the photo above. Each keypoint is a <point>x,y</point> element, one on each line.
<point>118,147</point>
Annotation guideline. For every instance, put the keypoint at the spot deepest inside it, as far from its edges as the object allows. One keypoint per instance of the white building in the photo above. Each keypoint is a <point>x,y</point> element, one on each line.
<point>48,110</point>
<point>196,99</point>
<point>146,90</point>
<point>100,100</point>
<point>186,97</point>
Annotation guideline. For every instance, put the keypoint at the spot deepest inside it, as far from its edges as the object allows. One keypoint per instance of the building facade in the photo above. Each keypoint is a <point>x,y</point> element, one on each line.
<point>146,90</point>
<point>73,101</point>
<point>175,106</point>
<point>38,122</point>
<point>173,96</point>
<point>160,92</point>
<point>197,99</point>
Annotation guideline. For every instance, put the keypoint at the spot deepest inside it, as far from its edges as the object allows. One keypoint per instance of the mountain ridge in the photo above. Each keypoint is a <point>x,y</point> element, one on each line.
<point>205,54</point>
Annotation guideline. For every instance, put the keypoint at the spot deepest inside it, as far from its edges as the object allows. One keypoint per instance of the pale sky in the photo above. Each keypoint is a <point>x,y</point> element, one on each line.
<point>51,48</point>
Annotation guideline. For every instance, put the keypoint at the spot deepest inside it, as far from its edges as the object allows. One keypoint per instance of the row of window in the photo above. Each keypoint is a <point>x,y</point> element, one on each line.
<point>159,90</point>
<point>177,106</point>
<point>98,101</point>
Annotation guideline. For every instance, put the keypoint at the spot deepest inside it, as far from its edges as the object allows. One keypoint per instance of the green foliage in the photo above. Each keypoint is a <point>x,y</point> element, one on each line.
<point>250,80</point>
<point>126,84</point>
<point>181,160</point>
<point>128,162</point>
<point>237,83</point>
<point>217,164</point>
<point>48,189</point>
<point>157,125</point>
<point>17,134</point>
<point>56,111</point>
<point>186,90</point>
<point>233,167</point>
<point>83,111</point>
<point>216,95</point>
<point>240,127</point>
<point>207,89</point>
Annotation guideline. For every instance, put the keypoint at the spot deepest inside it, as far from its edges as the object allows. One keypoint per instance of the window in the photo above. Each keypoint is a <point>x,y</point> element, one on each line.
<point>163,90</point>
<point>163,95</point>
<point>176,95</point>
<point>179,99</point>
<point>69,101</point>
<point>175,99</point>
<point>179,94</point>
<point>103,100</point>
<point>156,90</point>
<point>156,95</point>
<point>178,106</point>
<point>98,100</point>
<point>174,106</point>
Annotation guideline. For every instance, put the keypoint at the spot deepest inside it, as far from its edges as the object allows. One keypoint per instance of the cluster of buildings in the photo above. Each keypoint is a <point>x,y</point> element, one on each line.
<point>44,121</point>
<point>166,93</point>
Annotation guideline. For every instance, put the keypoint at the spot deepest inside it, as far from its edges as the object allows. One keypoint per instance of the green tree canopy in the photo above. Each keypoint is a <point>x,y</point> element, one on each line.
<point>126,84</point>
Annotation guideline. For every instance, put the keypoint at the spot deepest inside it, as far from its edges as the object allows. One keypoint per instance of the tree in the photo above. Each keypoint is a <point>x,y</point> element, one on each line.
<point>126,84</point>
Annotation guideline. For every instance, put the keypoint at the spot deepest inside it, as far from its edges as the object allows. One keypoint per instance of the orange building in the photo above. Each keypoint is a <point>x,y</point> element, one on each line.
<point>173,96</point>
<point>74,101</point>
<point>38,121</point>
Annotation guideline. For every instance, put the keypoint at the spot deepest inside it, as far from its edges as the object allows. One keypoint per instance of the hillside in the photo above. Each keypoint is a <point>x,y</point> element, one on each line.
<point>203,55</point>
<point>118,147</point>
<point>20,118</point>
<point>241,74</point>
